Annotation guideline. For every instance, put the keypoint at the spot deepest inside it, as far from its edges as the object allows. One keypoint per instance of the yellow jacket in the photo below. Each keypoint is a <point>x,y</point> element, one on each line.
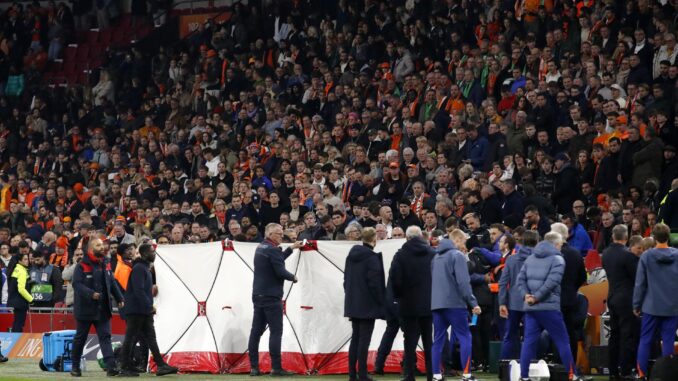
<point>21,275</point>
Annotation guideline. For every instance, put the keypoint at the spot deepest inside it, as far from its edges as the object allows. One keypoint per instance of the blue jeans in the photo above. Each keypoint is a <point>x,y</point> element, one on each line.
<point>553,323</point>
<point>458,319</point>
<point>510,347</point>
<point>649,324</point>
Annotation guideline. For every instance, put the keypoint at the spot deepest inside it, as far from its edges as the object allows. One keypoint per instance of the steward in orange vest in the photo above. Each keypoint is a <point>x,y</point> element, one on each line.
<point>123,267</point>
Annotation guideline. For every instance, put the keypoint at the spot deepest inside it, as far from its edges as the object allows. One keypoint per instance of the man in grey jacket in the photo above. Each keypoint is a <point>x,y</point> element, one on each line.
<point>654,296</point>
<point>510,298</point>
<point>451,297</point>
<point>539,282</point>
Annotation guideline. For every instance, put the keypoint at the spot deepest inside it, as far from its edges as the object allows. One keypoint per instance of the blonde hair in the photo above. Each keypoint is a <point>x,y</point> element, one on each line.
<point>369,235</point>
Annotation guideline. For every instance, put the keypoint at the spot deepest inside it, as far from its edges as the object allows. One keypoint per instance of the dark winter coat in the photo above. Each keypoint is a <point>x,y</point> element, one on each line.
<point>364,284</point>
<point>410,276</point>
<point>139,293</point>
<point>620,267</point>
<point>94,275</point>
<point>269,270</point>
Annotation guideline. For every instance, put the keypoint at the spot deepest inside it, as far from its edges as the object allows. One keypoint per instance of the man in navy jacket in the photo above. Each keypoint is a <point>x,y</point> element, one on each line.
<point>364,287</point>
<point>94,290</point>
<point>410,275</point>
<point>654,296</point>
<point>267,292</point>
<point>139,311</point>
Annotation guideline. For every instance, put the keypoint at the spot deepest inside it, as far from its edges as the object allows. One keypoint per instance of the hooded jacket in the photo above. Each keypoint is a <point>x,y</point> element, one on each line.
<point>410,276</point>
<point>509,292</point>
<point>451,283</point>
<point>364,282</point>
<point>540,276</point>
<point>654,291</point>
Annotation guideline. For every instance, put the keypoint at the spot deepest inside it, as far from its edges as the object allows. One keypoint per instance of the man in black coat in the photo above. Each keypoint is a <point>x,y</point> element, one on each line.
<point>573,278</point>
<point>267,292</point>
<point>567,187</point>
<point>410,275</point>
<point>606,177</point>
<point>94,290</point>
<point>364,299</point>
<point>139,312</point>
<point>620,266</point>
<point>512,208</point>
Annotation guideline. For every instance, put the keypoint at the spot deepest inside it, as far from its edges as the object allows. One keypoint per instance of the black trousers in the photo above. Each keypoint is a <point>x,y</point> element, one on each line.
<point>19,320</point>
<point>481,334</point>
<point>103,329</point>
<point>268,310</point>
<point>624,337</point>
<point>140,327</point>
<point>392,327</point>
<point>569,316</point>
<point>359,347</point>
<point>413,328</point>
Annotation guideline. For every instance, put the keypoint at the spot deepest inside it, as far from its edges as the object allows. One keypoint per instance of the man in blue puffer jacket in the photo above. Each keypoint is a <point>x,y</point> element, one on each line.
<point>510,297</point>
<point>654,295</point>
<point>539,282</point>
<point>451,297</point>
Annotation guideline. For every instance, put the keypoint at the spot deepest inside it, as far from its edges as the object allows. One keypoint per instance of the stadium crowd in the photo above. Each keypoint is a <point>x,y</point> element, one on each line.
<point>488,117</point>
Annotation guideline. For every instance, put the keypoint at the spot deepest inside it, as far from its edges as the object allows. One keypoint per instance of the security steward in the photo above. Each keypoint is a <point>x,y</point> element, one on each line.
<point>267,292</point>
<point>139,314</point>
<point>46,282</point>
<point>126,253</point>
<point>94,291</point>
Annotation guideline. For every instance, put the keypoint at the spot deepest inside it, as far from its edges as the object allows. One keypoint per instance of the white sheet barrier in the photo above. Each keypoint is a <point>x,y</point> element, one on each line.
<point>204,308</point>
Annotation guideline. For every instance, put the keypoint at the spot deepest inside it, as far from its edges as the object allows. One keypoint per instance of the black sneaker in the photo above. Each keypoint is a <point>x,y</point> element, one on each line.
<point>281,373</point>
<point>128,373</point>
<point>254,372</point>
<point>112,372</point>
<point>166,369</point>
<point>3,358</point>
<point>75,372</point>
<point>379,371</point>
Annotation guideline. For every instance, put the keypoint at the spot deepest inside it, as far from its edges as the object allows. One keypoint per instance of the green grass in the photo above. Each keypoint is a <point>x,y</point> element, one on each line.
<point>23,370</point>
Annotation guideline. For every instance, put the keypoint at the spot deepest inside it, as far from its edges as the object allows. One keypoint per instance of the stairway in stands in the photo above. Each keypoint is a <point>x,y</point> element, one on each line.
<point>88,52</point>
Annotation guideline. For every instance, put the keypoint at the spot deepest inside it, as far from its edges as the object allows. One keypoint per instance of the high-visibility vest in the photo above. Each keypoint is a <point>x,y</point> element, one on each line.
<point>122,272</point>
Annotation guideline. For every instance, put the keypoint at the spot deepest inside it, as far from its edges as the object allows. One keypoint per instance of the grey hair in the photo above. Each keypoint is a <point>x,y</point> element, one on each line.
<point>620,232</point>
<point>561,229</point>
<point>270,227</point>
<point>352,225</point>
<point>390,153</point>
<point>554,237</point>
<point>413,231</point>
<point>408,149</point>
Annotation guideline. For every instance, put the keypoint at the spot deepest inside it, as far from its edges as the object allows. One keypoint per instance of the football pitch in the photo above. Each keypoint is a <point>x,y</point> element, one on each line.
<point>22,370</point>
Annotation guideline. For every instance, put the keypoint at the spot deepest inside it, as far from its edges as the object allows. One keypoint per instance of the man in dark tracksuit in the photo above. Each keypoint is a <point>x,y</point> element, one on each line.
<point>510,298</point>
<point>392,328</point>
<point>410,275</point>
<point>267,292</point>
<point>574,277</point>
<point>364,300</point>
<point>139,312</point>
<point>654,295</point>
<point>94,290</point>
<point>620,266</point>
